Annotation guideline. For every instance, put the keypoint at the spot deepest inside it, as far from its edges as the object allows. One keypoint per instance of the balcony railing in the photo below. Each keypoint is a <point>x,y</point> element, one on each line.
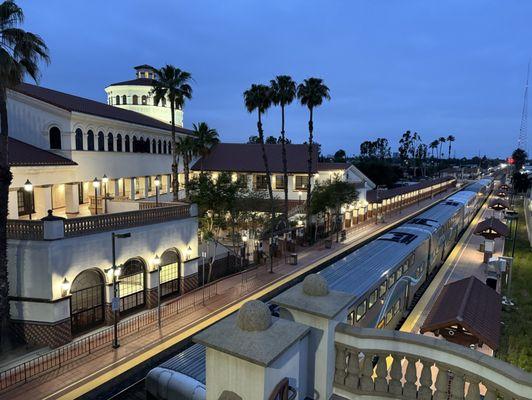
<point>72,227</point>
<point>381,363</point>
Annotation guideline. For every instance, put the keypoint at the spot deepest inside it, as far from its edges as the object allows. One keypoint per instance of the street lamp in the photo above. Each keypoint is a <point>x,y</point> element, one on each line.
<point>115,303</point>
<point>299,195</point>
<point>65,287</point>
<point>203,257</point>
<point>96,184</point>
<point>28,188</point>
<point>157,183</point>
<point>244,258</point>
<point>105,179</point>
<point>156,262</point>
<point>189,252</point>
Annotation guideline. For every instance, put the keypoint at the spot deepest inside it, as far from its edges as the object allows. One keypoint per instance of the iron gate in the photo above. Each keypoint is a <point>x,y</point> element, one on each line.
<point>87,308</point>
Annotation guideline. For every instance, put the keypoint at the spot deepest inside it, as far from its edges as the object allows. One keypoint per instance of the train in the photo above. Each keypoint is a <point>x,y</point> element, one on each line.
<point>386,273</point>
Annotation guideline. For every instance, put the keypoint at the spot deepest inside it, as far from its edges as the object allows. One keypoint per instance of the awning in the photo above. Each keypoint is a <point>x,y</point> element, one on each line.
<point>492,228</point>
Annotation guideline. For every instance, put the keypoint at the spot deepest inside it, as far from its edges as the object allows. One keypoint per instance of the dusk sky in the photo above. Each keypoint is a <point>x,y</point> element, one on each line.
<point>436,67</point>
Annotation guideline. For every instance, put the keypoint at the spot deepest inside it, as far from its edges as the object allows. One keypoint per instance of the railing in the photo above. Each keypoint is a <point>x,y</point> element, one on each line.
<point>145,205</point>
<point>75,350</point>
<point>382,363</point>
<point>25,230</point>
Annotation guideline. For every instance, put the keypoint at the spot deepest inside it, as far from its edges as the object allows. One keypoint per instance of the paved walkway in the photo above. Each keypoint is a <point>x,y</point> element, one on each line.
<point>465,260</point>
<point>79,377</point>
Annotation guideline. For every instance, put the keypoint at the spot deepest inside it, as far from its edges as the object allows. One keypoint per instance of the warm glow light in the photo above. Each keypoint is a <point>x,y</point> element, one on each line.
<point>65,286</point>
<point>156,261</point>
<point>96,183</point>
<point>28,187</point>
<point>105,179</point>
<point>157,181</point>
<point>118,272</point>
<point>244,238</point>
<point>189,251</point>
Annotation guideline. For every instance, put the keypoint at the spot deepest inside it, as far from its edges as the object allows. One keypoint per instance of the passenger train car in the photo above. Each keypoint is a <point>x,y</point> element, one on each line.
<point>386,273</point>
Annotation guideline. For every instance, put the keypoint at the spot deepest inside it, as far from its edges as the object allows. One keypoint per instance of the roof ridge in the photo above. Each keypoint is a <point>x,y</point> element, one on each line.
<point>465,299</point>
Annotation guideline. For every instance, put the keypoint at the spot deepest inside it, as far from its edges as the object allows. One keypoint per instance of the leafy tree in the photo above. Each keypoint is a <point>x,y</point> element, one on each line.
<point>382,148</point>
<point>340,156</point>
<point>450,140</point>
<point>367,149</point>
<point>253,139</point>
<point>519,156</point>
<point>311,94</point>
<point>405,146</point>
<point>258,98</point>
<point>380,172</point>
<point>270,140</point>
<point>283,90</point>
<point>332,195</point>
<point>172,83</point>
<point>205,139</point>
<point>20,55</point>
<point>188,149</point>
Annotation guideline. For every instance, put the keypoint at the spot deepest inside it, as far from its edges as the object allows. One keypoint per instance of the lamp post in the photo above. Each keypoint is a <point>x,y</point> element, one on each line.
<point>299,195</point>
<point>157,183</point>
<point>115,304</point>
<point>96,184</point>
<point>203,257</point>
<point>105,179</point>
<point>189,252</point>
<point>65,287</point>
<point>245,240</point>
<point>156,262</point>
<point>28,188</point>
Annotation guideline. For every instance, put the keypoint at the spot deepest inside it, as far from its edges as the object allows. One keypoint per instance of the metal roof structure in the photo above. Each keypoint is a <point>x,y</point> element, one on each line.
<point>492,228</point>
<point>190,362</point>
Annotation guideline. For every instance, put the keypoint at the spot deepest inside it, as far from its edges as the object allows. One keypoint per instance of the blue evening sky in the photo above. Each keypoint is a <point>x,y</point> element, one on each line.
<point>436,67</point>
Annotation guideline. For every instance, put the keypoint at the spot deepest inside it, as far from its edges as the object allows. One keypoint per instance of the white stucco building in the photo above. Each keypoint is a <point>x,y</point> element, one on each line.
<point>98,168</point>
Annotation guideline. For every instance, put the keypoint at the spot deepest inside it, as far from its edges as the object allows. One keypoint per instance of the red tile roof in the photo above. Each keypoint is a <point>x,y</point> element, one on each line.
<point>245,157</point>
<point>470,304</point>
<point>22,154</point>
<point>492,228</point>
<point>71,103</point>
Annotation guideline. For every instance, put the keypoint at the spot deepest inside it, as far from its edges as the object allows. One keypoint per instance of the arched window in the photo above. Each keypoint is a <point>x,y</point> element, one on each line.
<point>90,140</point>
<point>135,145</point>
<point>55,138</point>
<point>126,142</point>
<point>135,99</point>
<point>79,139</point>
<point>164,147</point>
<point>163,102</point>
<point>169,272</point>
<point>119,142</point>
<point>110,144</point>
<point>153,146</point>
<point>87,301</point>
<point>144,100</point>
<point>124,99</point>
<point>117,100</point>
<point>132,285</point>
<point>159,148</point>
<point>101,141</point>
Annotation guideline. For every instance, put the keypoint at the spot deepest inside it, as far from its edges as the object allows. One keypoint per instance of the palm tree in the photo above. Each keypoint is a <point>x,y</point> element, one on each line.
<point>20,55</point>
<point>433,146</point>
<point>442,141</point>
<point>188,148</point>
<point>283,93</point>
<point>450,139</point>
<point>205,138</point>
<point>311,93</point>
<point>258,97</point>
<point>173,84</point>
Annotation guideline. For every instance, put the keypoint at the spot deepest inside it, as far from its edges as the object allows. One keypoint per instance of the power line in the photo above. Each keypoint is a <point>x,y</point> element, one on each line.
<point>523,130</point>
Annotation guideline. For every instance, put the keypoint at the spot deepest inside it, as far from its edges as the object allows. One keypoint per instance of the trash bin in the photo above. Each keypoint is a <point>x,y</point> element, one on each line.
<point>328,243</point>
<point>482,247</point>
<point>293,259</point>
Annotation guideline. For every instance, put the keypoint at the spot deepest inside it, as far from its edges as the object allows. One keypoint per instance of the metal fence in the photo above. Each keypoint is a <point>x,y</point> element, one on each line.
<point>83,347</point>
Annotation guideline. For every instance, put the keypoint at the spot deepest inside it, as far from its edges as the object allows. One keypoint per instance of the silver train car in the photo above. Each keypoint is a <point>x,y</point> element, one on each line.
<point>386,273</point>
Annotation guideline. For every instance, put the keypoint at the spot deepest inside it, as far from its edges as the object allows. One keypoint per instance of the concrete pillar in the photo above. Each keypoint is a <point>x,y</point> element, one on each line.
<point>71,198</point>
<point>116,187</point>
<point>146,187</point>
<point>132,189</point>
<point>12,211</point>
<point>43,200</point>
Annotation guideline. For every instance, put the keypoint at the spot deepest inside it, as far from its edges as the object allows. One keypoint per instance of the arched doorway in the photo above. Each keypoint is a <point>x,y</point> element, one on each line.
<point>169,273</point>
<point>55,138</point>
<point>132,285</point>
<point>87,301</point>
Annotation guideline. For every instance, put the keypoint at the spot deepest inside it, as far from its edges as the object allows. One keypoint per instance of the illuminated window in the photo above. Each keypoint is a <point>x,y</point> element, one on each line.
<point>279,182</point>
<point>361,310</point>
<point>301,182</point>
<point>373,298</point>
<point>382,289</point>
<point>261,182</point>
<point>391,280</point>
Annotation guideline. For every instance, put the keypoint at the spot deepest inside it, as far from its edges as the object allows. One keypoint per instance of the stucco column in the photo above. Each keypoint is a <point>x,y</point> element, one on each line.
<point>132,189</point>
<point>85,140</point>
<point>116,187</point>
<point>12,211</point>
<point>146,189</point>
<point>168,183</point>
<point>43,200</point>
<point>71,198</point>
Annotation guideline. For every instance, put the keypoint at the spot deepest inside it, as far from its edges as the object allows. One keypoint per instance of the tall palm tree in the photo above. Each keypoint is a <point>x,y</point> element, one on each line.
<point>258,98</point>
<point>442,141</point>
<point>450,139</point>
<point>188,148</point>
<point>311,93</point>
<point>434,145</point>
<point>283,93</point>
<point>173,84</point>
<point>205,138</point>
<point>20,55</point>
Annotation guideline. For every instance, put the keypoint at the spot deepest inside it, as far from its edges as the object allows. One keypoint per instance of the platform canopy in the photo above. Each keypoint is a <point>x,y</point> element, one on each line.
<point>492,228</point>
<point>500,192</point>
<point>498,204</point>
<point>466,312</point>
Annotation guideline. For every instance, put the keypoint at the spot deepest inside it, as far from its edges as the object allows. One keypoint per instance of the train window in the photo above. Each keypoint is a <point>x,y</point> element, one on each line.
<point>396,307</point>
<point>391,280</point>
<point>411,259</point>
<point>351,318</point>
<point>372,298</point>
<point>361,310</point>
<point>405,268</point>
<point>382,289</point>
<point>389,316</point>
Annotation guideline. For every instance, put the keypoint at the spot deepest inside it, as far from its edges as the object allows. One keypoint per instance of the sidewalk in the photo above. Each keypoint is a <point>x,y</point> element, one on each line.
<point>80,376</point>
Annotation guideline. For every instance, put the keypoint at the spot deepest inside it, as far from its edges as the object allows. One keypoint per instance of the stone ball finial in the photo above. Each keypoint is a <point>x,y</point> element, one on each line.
<point>315,285</point>
<point>254,316</point>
